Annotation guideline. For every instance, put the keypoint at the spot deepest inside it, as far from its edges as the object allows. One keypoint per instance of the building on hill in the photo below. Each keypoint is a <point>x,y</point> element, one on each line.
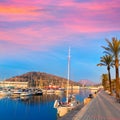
<point>39,80</point>
<point>14,84</point>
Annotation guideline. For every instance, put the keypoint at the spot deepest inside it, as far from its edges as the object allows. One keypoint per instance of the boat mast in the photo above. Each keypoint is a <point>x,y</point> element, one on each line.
<point>67,94</point>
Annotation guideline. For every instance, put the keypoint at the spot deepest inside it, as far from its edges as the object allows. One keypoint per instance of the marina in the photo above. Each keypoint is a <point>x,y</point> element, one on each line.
<point>59,60</point>
<point>33,107</point>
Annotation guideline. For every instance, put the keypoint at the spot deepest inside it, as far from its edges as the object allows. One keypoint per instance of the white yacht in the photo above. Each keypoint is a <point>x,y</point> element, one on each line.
<point>16,93</point>
<point>26,93</point>
<point>71,103</point>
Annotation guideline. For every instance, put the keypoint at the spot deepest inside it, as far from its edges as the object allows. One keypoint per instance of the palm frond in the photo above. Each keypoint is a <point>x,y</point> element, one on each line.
<point>106,60</point>
<point>113,47</point>
<point>101,64</point>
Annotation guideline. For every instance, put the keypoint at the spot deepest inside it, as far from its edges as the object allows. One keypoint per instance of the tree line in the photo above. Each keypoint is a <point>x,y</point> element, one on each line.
<point>111,59</point>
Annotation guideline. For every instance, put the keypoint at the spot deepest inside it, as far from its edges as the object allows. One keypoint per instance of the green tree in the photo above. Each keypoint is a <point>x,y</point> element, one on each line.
<point>107,60</point>
<point>113,48</point>
<point>105,81</point>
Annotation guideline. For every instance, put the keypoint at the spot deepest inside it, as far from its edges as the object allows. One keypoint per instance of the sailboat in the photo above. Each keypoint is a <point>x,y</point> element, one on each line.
<point>70,103</point>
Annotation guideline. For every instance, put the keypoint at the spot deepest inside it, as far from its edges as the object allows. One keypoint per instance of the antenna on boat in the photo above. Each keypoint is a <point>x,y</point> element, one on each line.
<point>67,93</point>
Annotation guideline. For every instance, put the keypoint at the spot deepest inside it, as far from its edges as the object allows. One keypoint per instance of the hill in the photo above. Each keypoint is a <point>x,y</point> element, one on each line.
<point>42,79</point>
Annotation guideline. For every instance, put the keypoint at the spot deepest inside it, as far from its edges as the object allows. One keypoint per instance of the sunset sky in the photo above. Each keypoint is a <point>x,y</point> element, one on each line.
<point>35,36</point>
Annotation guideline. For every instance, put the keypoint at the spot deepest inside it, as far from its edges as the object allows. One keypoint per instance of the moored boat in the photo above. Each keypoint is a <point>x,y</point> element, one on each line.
<point>64,107</point>
<point>26,93</point>
<point>38,92</point>
<point>3,93</point>
<point>16,93</point>
<point>59,91</point>
<point>50,91</point>
<point>71,102</point>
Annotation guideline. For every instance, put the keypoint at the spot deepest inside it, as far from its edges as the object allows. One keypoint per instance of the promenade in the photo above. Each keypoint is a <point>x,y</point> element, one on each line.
<point>103,107</point>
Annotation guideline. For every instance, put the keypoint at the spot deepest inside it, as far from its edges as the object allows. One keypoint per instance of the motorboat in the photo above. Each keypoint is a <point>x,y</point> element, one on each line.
<point>26,93</point>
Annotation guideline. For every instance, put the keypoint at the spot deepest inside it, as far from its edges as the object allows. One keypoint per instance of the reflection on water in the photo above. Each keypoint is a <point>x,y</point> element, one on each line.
<point>39,99</point>
<point>28,108</point>
<point>32,107</point>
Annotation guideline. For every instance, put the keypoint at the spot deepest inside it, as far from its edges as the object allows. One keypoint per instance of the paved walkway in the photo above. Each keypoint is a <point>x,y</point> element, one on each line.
<point>103,107</point>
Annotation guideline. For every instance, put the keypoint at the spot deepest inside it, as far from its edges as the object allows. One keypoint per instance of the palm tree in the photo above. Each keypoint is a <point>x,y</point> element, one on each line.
<point>114,49</point>
<point>105,81</point>
<point>107,60</point>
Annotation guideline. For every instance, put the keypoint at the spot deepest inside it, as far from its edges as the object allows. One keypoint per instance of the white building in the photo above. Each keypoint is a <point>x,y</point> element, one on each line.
<point>13,84</point>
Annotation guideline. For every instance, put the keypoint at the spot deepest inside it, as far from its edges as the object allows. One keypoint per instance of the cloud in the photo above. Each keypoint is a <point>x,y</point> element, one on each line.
<point>38,25</point>
<point>34,31</point>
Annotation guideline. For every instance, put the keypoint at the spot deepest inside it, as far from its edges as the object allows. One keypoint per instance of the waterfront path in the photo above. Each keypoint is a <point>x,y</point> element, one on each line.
<point>103,107</point>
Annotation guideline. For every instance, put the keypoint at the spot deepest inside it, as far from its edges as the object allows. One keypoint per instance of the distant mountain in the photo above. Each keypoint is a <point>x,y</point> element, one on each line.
<point>87,82</point>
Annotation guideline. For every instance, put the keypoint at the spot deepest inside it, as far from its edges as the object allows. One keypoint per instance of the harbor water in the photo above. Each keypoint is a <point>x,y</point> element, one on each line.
<point>33,107</point>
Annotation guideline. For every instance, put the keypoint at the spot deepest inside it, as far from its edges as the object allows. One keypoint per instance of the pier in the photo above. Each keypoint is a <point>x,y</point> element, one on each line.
<point>102,107</point>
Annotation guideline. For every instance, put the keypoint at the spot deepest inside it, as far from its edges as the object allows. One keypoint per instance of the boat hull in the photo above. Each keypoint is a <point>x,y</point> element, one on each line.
<point>64,109</point>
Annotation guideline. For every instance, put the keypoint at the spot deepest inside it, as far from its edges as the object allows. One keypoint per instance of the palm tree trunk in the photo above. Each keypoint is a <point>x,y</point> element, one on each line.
<point>110,81</point>
<point>117,77</point>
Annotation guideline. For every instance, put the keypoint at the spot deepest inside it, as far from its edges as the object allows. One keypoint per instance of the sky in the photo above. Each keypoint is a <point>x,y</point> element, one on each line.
<point>35,36</point>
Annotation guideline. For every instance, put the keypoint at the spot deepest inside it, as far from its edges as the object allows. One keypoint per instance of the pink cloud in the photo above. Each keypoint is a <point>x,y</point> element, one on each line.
<point>17,13</point>
<point>30,39</point>
<point>70,17</point>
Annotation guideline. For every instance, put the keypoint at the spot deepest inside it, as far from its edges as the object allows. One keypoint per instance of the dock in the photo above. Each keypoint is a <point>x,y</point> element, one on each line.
<point>72,113</point>
<point>102,107</point>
